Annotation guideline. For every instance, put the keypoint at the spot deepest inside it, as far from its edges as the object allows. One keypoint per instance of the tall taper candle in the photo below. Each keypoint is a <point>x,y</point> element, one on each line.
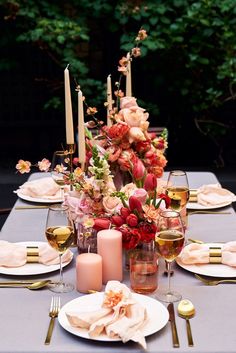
<point>109,100</point>
<point>128,78</point>
<point>68,109</point>
<point>109,245</point>
<point>81,134</point>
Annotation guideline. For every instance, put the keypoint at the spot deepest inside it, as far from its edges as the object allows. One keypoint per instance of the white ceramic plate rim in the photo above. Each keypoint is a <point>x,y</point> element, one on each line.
<point>157,313</point>
<point>30,269</point>
<point>198,206</point>
<point>37,199</point>
<point>211,270</point>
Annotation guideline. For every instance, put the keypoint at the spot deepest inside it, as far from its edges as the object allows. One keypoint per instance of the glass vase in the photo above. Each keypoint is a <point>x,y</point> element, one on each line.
<point>144,268</point>
<point>87,239</point>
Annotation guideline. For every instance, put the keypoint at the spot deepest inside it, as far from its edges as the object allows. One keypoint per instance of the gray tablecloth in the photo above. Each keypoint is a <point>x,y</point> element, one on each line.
<point>24,313</point>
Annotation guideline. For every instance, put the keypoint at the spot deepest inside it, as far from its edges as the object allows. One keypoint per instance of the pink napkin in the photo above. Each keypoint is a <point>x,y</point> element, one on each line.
<point>14,255</point>
<point>214,194</point>
<point>120,316</point>
<point>41,188</point>
<point>199,254</point>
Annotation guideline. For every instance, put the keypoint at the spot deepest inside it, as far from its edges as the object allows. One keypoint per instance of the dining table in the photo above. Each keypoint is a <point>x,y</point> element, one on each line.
<point>24,313</point>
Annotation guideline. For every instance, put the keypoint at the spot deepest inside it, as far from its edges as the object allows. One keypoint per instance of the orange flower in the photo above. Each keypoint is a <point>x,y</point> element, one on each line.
<point>112,298</point>
<point>23,166</point>
<point>91,110</point>
<point>150,213</point>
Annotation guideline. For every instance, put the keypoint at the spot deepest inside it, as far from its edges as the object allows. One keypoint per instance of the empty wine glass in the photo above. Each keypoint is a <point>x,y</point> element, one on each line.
<point>169,242</point>
<point>60,167</point>
<point>60,235</point>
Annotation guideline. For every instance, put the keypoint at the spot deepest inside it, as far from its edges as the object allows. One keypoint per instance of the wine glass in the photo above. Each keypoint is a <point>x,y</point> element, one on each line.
<point>178,189</point>
<point>60,235</point>
<point>169,242</point>
<point>60,167</point>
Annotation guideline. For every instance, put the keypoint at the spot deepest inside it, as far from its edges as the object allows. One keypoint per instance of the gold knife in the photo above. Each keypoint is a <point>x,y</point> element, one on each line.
<point>175,337</point>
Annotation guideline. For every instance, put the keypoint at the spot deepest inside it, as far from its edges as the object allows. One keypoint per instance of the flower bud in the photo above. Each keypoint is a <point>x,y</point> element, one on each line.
<point>117,220</point>
<point>150,182</point>
<point>138,170</point>
<point>125,212</point>
<point>135,204</point>
<point>132,220</point>
<point>101,223</point>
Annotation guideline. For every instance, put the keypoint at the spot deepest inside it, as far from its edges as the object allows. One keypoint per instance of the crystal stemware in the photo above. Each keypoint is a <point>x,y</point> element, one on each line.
<point>60,235</point>
<point>169,242</point>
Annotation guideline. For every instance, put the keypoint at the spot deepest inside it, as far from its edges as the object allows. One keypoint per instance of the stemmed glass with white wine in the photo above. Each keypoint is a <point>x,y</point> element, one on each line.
<point>60,235</point>
<point>169,242</point>
<point>60,167</point>
<point>178,189</point>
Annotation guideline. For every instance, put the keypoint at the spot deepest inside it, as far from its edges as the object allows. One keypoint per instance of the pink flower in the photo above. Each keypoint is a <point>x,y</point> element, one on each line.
<point>128,102</point>
<point>44,165</point>
<point>150,182</point>
<point>138,170</point>
<point>114,152</point>
<point>111,204</point>
<point>127,159</point>
<point>140,194</point>
<point>23,166</point>
<point>136,134</point>
<point>132,220</point>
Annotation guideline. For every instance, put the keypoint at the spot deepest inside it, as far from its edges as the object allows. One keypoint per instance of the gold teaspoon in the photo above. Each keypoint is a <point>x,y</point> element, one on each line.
<point>186,310</point>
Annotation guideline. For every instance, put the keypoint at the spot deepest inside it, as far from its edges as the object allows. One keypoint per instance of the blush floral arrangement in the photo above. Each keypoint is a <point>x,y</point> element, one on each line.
<point>123,146</point>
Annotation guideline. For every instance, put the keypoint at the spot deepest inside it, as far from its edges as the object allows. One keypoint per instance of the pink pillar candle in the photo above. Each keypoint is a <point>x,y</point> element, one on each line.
<point>88,272</point>
<point>109,246</point>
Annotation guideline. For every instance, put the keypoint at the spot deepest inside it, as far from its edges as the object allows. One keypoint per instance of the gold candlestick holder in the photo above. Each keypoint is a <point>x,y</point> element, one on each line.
<point>71,151</point>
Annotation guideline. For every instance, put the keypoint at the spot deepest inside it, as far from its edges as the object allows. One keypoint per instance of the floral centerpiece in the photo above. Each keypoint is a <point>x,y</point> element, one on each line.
<point>123,146</point>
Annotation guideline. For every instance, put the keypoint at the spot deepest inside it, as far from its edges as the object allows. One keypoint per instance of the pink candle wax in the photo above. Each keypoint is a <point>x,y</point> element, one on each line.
<point>109,245</point>
<point>89,272</point>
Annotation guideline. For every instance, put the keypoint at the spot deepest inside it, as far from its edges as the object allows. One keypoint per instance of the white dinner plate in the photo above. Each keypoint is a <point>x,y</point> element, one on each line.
<point>37,199</point>
<point>31,268</point>
<point>157,313</point>
<point>198,206</point>
<point>212,270</point>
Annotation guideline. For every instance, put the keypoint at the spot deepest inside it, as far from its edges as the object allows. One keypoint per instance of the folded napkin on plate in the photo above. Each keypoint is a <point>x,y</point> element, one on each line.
<point>15,255</point>
<point>41,188</point>
<point>120,316</point>
<point>214,195</point>
<point>200,254</point>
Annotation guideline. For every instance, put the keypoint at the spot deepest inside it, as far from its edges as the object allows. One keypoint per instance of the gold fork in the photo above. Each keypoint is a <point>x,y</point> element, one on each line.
<point>53,313</point>
<point>214,282</point>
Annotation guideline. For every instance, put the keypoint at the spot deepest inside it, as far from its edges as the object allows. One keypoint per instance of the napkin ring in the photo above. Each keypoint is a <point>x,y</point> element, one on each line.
<point>215,255</point>
<point>193,195</point>
<point>32,254</point>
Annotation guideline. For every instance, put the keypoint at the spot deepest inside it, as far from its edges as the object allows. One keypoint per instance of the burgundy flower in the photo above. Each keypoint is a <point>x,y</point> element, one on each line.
<point>130,237</point>
<point>132,220</point>
<point>147,231</point>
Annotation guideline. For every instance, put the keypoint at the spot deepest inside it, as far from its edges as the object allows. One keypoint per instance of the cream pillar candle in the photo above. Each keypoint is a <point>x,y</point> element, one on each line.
<point>109,246</point>
<point>109,100</point>
<point>68,109</point>
<point>128,92</point>
<point>81,133</point>
<point>88,272</point>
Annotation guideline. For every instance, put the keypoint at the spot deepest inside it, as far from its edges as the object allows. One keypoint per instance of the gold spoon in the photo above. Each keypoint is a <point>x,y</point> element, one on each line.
<point>29,285</point>
<point>186,310</point>
<point>214,282</point>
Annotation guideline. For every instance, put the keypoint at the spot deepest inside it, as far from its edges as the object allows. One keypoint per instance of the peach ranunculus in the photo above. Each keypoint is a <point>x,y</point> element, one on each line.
<point>150,213</point>
<point>23,166</point>
<point>44,165</point>
<point>133,118</point>
<point>129,189</point>
<point>111,204</point>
